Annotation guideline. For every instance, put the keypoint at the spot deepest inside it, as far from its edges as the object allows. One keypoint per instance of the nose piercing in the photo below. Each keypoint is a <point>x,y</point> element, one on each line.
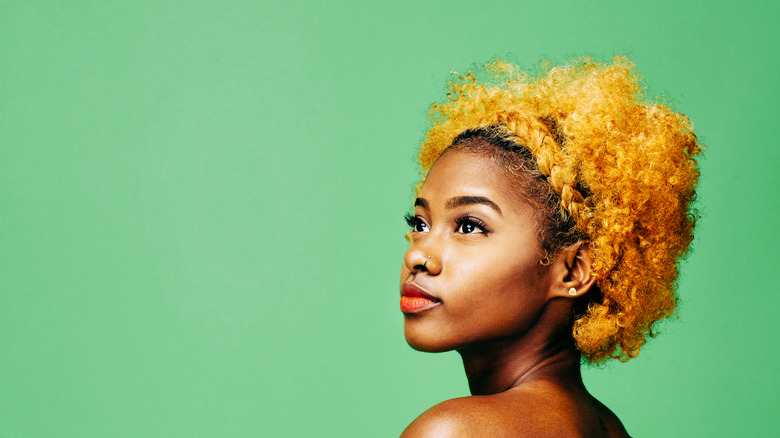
<point>426,262</point>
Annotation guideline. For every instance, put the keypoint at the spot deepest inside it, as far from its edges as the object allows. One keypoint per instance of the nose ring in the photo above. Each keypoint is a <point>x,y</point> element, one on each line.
<point>426,262</point>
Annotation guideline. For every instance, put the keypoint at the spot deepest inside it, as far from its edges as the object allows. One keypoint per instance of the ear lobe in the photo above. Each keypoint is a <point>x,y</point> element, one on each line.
<point>573,274</point>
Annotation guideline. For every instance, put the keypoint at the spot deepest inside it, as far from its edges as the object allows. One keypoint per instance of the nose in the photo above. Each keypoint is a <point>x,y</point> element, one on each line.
<point>421,258</point>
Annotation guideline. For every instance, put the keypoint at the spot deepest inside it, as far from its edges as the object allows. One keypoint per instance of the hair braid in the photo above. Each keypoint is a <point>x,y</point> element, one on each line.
<point>547,148</point>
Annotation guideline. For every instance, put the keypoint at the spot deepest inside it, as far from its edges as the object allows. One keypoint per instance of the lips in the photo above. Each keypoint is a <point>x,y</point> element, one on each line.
<point>416,300</point>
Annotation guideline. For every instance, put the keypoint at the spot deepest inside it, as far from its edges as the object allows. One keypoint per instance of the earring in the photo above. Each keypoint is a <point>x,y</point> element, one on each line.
<point>572,291</point>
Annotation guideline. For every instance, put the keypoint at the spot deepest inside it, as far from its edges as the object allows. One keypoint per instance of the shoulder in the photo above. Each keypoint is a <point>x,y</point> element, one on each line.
<point>459,417</point>
<point>514,413</point>
<point>487,416</point>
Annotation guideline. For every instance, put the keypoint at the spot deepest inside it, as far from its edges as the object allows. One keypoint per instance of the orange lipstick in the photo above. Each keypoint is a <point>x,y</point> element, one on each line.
<point>415,300</point>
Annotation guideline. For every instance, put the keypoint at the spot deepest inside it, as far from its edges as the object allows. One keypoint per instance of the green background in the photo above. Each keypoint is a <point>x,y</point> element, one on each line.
<point>201,211</point>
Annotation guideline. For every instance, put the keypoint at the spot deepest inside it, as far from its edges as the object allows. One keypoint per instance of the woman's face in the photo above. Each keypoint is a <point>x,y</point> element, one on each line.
<point>471,274</point>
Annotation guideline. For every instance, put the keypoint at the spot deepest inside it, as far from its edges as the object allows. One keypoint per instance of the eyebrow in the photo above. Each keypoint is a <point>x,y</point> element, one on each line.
<point>420,202</point>
<point>460,201</point>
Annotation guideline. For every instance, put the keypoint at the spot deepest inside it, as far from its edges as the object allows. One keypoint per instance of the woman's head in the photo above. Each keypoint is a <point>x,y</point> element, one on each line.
<point>596,164</point>
<point>472,274</point>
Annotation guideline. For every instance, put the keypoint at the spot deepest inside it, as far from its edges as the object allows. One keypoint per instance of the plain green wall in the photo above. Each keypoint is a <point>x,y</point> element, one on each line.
<point>201,211</point>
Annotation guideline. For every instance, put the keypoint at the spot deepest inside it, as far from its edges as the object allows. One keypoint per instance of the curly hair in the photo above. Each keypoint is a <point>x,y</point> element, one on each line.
<point>617,172</point>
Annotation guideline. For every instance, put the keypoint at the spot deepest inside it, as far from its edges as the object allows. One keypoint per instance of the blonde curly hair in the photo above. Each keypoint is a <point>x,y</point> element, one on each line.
<point>622,175</point>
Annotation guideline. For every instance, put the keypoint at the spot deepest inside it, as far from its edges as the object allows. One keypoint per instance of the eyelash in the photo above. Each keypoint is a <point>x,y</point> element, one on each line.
<point>472,220</point>
<point>410,220</point>
<point>414,221</point>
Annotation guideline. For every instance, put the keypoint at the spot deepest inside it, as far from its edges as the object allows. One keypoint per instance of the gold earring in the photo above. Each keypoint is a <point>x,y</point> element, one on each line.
<point>572,291</point>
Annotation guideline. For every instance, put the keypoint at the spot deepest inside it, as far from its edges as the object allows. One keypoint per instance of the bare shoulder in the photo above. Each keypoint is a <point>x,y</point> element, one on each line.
<point>460,417</point>
<point>526,413</point>
<point>495,415</point>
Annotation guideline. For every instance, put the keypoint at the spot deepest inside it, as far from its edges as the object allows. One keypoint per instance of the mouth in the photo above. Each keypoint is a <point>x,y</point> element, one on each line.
<point>415,300</point>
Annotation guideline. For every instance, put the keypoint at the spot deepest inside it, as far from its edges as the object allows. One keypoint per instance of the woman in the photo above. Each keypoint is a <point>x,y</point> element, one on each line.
<point>547,231</point>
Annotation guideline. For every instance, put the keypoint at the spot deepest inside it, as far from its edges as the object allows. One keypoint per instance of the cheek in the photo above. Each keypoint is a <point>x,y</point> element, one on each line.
<point>502,277</point>
<point>501,295</point>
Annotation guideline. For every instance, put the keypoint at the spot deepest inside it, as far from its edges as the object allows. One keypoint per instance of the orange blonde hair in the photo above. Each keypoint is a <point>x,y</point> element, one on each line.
<point>624,171</point>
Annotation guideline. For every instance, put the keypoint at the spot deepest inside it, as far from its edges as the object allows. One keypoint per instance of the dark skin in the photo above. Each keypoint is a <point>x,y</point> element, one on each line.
<point>475,251</point>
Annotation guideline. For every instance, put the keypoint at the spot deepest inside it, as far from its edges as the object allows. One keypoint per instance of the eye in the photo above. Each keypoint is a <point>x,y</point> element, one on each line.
<point>470,225</point>
<point>415,223</point>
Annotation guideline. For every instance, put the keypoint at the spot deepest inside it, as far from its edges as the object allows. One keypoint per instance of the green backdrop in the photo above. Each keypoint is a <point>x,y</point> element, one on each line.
<point>201,211</point>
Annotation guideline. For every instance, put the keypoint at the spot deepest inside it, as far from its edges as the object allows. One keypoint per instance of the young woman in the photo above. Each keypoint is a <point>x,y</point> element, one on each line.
<point>547,231</point>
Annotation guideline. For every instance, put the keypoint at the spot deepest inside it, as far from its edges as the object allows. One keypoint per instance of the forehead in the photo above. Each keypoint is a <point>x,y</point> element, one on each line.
<point>463,172</point>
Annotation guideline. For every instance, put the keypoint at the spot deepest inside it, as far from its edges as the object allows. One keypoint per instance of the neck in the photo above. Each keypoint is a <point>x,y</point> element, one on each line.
<point>545,352</point>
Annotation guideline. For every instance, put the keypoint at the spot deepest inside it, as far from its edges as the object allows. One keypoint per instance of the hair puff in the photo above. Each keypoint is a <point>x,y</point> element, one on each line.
<point>624,170</point>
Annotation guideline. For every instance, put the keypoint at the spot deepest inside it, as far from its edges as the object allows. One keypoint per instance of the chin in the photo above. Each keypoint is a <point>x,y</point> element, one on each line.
<point>426,342</point>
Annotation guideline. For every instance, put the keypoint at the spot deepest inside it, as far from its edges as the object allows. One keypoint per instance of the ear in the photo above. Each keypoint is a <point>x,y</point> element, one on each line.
<point>571,275</point>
